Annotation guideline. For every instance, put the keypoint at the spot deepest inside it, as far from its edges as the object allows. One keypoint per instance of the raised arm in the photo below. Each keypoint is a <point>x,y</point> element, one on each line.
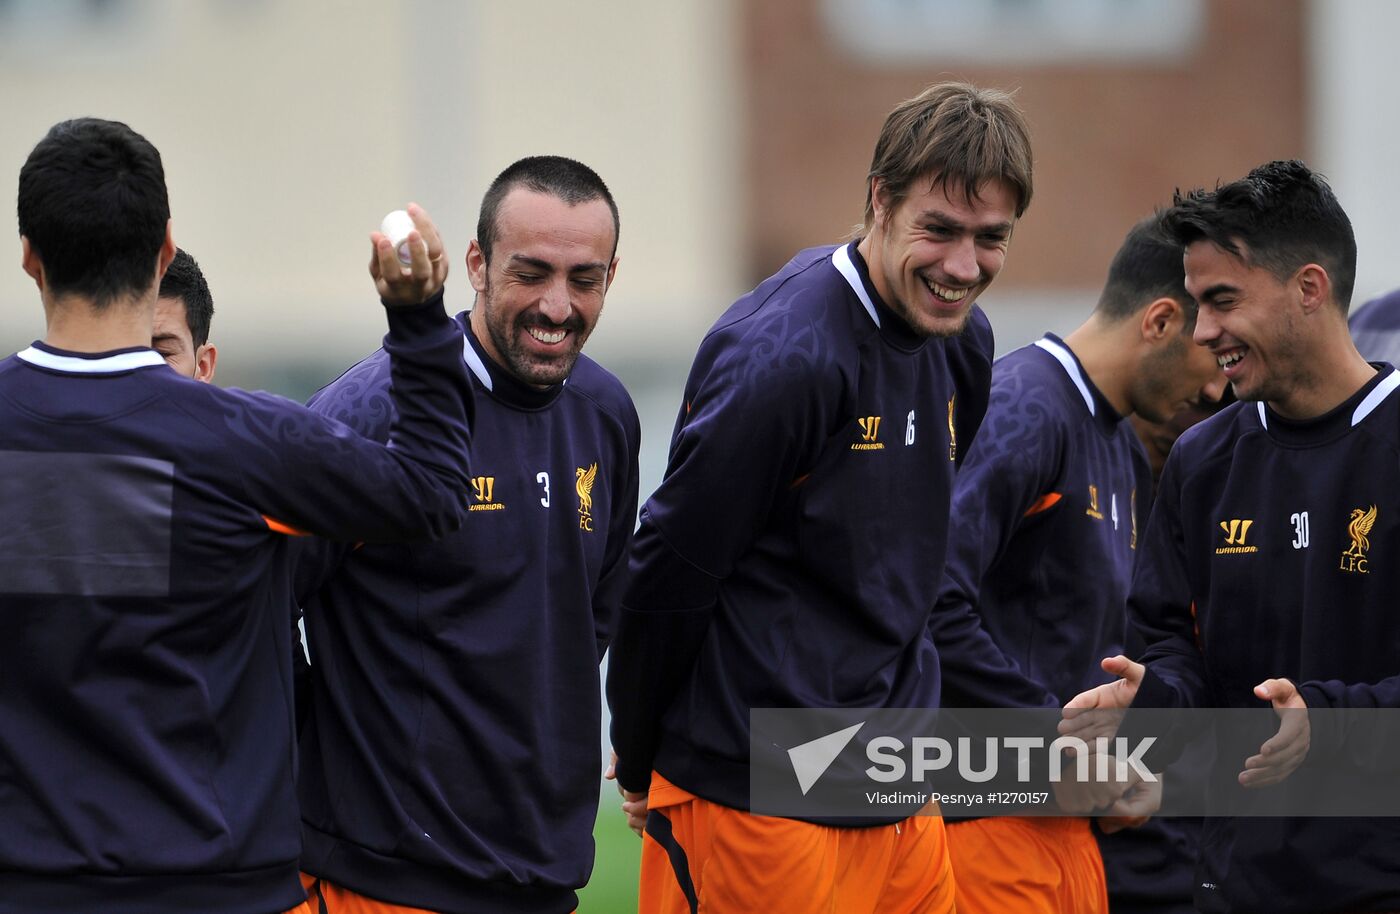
<point>309,474</point>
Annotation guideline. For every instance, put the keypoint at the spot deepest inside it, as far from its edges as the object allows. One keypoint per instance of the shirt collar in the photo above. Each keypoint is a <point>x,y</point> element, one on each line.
<point>113,361</point>
<point>497,380</point>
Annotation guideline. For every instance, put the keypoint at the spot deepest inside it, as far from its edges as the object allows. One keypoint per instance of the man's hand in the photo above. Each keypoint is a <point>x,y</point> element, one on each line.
<point>634,804</point>
<point>1134,807</point>
<point>1112,824</point>
<point>403,285</point>
<point>1281,755</point>
<point>1124,797</point>
<point>1099,711</point>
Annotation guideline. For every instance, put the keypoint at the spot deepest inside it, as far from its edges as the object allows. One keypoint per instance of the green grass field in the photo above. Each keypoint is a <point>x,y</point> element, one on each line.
<point>613,888</point>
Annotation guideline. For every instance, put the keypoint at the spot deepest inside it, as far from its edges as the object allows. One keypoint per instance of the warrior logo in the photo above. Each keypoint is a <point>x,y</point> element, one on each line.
<point>1235,531</point>
<point>1093,509</point>
<point>869,435</point>
<point>484,491</point>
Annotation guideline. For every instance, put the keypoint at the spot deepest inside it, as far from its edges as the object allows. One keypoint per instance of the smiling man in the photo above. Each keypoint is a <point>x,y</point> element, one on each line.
<point>184,309</point>
<point>450,760</point>
<point>792,554</point>
<point>1265,575</point>
<point>1058,483</point>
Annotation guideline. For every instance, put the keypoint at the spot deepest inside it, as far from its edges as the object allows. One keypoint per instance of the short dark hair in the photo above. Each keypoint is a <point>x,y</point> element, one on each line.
<point>569,180</point>
<point>184,280</point>
<point>957,133</point>
<point>1147,267</point>
<point>1286,216</point>
<point>92,203</point>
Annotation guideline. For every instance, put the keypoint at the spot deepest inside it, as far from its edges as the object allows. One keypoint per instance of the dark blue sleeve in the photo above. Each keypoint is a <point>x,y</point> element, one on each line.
<point>1368,740</point>
<point>759,406</point>
<point>1160,606</point>
<point>319,476</point>
<point>1335,694</point>
<point>607,596</point>
<point>1015,461</point>
<point>358,399</point>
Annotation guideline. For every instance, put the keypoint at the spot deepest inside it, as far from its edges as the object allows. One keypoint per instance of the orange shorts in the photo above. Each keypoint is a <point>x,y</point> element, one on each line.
<point>1031,865</point>
<point>329,898</point>
<point>698,855</point>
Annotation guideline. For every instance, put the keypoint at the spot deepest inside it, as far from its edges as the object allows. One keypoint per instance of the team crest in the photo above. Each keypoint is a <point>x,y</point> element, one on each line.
<point>583,485</point>
<point>1354,558</point>
<point>952,431</point>
<point>1132,516</point>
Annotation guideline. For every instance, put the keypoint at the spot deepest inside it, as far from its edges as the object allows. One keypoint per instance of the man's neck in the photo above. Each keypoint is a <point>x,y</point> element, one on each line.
<point>74,325</point>
<point>1343,371</point>
<point>866,247</point>
<point>1103,353</point>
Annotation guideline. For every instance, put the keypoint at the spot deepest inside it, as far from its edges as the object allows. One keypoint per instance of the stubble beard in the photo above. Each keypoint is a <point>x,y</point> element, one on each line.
<point>523,365</point>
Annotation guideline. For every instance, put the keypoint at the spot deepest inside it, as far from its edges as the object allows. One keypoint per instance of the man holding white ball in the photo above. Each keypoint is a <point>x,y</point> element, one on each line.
<point>450,757</point>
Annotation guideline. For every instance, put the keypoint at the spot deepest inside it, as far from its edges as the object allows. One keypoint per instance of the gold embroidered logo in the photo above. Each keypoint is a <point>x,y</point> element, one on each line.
<point>869,435</point>
<point>1359,529</point>
<point>583,485</point>
<point>1236,532</point>
<point>952,431</point>
<point>1093,510</point>
<point>484,491</point>
<point>1132,515</point>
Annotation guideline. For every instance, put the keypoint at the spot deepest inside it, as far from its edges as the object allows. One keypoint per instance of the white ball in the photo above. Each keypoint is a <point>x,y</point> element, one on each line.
<point>396,227</point>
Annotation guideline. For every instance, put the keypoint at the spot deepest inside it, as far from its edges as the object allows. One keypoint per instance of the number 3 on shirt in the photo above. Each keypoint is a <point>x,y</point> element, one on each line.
<point>543,479</point>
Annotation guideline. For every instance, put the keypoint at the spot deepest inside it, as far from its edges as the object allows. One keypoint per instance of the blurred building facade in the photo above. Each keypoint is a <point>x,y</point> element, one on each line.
<point>733,133</point>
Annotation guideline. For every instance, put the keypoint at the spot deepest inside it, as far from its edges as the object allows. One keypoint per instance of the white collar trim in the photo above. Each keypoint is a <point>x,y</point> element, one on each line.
<point>1363,409</point>
<point>124,361</point>
<point>1375,397</point>
<point>841,257</point>
<point>474,362</point>
<point>1071,367</point>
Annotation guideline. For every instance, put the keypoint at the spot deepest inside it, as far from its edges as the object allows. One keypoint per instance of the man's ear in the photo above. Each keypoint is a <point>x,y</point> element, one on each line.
<point>879,202</point>
<point>29,260</point>
<point>476,266</point>
<point>167,253</point>
<point>1162,319</point>
<point>206,359</point>
<point>1314,287</point>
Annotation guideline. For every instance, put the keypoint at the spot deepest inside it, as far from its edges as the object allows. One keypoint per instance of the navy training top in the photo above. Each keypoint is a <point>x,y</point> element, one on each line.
<point>1047,513</point>
<point>1045,526</point>
<point>1280,534</point>
<point>793,551</point>
<point>146,726</point>
<point>451,758</point>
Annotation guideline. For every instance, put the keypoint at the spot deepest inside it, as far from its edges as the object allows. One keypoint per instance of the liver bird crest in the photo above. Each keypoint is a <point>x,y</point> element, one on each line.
<point>1362,520</point>
<point>583,484</point>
